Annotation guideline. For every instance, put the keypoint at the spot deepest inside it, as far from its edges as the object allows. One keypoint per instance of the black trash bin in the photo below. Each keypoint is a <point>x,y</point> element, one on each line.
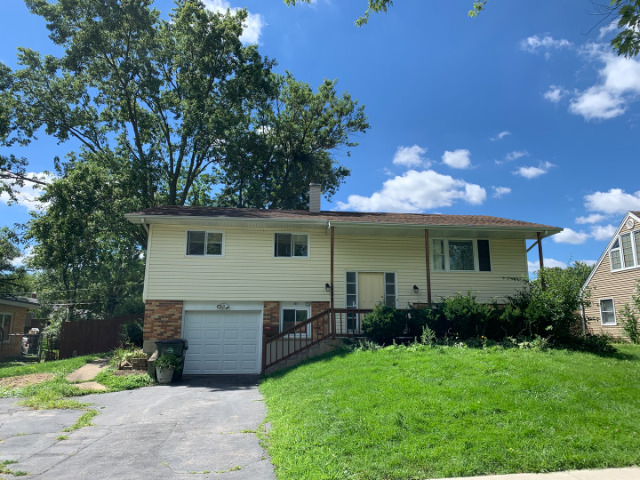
<point>179,348</point>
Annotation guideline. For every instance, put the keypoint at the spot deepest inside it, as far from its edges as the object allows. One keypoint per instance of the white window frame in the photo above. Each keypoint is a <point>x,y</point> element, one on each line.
<point>306,306</point>
<point>447,261</point>
<point>613,310</point>
<point>634,250</point>
<point>206,236</point>
<point>275,236</point>
<point>7,332</point>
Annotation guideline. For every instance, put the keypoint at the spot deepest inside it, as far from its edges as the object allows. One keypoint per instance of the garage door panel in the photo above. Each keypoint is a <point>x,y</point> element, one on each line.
<point>222,342</point>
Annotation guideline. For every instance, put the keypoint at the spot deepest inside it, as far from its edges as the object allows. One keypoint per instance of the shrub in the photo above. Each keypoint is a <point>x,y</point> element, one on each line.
<point>384,324</point>
<point>629,320</point>
<point>132,334</point>
<point>465,317</point>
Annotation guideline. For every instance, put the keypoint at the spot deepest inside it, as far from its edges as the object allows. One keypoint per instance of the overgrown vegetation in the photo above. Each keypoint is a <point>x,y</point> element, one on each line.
<point>630,319</point>
<point>547,308</point>
<point>429,412</point>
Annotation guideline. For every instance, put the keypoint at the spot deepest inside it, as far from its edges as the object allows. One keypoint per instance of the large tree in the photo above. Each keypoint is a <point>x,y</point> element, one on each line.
<point>13,278</point>
<point>626,12</point>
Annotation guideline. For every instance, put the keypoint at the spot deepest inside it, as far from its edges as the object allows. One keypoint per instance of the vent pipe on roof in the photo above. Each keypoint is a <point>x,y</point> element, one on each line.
<point>314,197</point>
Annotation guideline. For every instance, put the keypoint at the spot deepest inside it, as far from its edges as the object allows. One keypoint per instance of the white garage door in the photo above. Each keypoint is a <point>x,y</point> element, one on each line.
<point>224,342</point>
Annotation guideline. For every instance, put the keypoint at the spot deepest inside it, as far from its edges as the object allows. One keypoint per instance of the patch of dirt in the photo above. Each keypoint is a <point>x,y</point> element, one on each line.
<point>124,373</point>
<point>24,380</point>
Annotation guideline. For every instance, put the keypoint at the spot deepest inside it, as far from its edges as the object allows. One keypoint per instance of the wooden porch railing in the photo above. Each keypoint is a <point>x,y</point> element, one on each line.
<point>331,323</point>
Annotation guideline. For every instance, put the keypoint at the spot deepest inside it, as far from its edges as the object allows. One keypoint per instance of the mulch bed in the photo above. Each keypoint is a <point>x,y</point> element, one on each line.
<point>25,380</point>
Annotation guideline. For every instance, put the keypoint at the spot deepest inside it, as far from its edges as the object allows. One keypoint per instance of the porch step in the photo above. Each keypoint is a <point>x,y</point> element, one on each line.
<point>316,350</point>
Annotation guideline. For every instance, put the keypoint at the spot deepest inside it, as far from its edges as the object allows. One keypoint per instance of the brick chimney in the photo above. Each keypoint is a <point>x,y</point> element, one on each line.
<point>314,197</point>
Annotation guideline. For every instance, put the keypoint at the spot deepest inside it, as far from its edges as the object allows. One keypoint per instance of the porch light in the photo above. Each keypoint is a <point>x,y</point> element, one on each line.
<point>416,289</point>
<point>327,287</point>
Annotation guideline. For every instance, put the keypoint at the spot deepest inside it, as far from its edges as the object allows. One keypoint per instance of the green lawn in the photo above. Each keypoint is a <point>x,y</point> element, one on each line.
<point>445,411</point>
<point>57,392</point>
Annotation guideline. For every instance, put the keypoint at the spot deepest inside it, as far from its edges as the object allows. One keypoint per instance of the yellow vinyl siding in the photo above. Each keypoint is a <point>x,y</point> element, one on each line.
<point>405,256</point>
<point>247,271</point>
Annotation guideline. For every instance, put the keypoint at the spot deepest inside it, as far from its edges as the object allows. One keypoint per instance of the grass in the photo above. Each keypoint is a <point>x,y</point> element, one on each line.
<point>56,392</point>
<point>399,413</point>
<point>7,471</point>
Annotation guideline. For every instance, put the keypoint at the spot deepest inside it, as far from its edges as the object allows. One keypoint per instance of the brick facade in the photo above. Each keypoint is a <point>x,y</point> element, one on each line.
<point>12,344</point>
<point>162,321</point>
<point>271,318</point>
<point>318,307</point>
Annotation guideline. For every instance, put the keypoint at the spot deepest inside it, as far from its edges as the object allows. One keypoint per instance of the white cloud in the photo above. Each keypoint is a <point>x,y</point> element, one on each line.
<point>533,172</point>
<point>548,263</point>
<point>593,218</point>
<point>600,232</point>
<point>604,31</point>
<point>457,159</point>
<point>570,236</point>
<point>26,195</point>
<point>417,191</point>
<point>252,26</point>
<point>499,192</point>
<point>534,43</point>
<point>555,93</point>
<point>615,201</point>
<point>410,156</point>
<point>618,86</point>
<point>500,136</point>
<point>511,156</point>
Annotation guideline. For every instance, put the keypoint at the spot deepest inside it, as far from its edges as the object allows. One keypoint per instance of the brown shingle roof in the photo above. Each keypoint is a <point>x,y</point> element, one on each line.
<point>337,217</point>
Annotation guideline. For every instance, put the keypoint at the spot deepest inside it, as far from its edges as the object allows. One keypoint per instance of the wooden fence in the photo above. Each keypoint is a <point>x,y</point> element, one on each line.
<point>92,336</point>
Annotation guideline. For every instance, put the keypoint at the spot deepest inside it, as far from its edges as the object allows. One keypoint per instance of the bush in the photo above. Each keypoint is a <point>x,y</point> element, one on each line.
<point>384,324</point>
<point>465,317</point>
<point>132,334</point>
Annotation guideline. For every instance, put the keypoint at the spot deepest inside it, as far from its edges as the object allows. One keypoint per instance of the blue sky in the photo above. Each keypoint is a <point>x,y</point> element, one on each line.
<point>521,113</point>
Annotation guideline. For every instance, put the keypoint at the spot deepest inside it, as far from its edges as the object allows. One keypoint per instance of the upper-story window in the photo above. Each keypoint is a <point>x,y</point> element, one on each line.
<point>625,251</point>
<point>291,245</point>
<point>461,255</point>
<point>205,243</point>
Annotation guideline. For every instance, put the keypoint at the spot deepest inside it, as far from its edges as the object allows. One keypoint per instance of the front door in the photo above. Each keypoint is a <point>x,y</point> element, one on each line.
<point>370,290</point>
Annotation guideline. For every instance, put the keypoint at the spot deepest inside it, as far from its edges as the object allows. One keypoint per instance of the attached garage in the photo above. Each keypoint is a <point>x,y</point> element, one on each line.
<point>222,342</point>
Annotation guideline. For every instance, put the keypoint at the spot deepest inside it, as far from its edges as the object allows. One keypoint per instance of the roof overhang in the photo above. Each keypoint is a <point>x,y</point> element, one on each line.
<point>348,227</point>
<point>28,304</point>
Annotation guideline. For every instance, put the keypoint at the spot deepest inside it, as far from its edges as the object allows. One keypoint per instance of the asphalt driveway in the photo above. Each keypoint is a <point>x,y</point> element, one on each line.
<point>203,427</point>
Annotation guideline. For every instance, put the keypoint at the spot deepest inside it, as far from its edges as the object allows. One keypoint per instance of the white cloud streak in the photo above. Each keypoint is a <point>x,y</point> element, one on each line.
<point>499,192</point>
<point>536,43</point>
<point>27,195</point>
<point>603,232</point>
<point>593,218</point>
<point>555,93</point>
<point>500,136</point>
<point>533,172</point>
<point>570,236</point>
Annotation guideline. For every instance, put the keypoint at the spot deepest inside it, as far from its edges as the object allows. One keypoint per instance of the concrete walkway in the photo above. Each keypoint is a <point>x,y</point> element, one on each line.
<point>630,473</point>
<point>83,377</point>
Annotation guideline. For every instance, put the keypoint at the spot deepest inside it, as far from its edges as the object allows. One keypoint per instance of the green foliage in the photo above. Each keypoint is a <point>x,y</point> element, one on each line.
<point>373,6</point>
<point>121,355</point>
<point>629,318</point>
<point>132,334</point>
<point>116,383</point>
<point>168,360</point>
<point>12,279</point>
<point>384,324</point>
<point>627,41</point>
<point>464,316</point>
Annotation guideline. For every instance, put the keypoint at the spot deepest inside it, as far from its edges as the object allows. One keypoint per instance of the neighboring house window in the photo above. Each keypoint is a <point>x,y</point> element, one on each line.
<point>5,327</point>
<point>292,315</point>
<point>461,255</point>
<point>205,243</point>
<point>291,245</point>
<point>607,312</point>
<point>625,251</point>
